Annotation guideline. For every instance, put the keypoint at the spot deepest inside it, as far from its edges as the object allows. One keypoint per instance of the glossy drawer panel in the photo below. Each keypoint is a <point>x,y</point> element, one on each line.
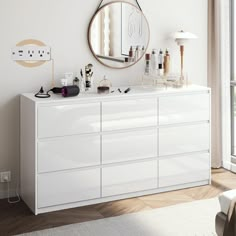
<point>185,169</point>
<point>184,139</point>
<point>129,146</point>
<point>66,187</point>
<point>68,152</point>
<point>129,114</point>
<point>68,119</point>
<point>129,178</point>
<point>185,108</point>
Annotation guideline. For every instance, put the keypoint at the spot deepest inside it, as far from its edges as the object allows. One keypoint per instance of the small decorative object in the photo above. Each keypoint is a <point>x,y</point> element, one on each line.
<point>104,86</point>
<point>88,77</point>
<point>181,38</point>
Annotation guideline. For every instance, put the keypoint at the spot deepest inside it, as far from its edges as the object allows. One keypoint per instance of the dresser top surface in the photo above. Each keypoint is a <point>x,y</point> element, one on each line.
<point>135,92</point>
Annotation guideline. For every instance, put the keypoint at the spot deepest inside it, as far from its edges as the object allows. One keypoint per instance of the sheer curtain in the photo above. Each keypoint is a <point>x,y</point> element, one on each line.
<point>219,79</point>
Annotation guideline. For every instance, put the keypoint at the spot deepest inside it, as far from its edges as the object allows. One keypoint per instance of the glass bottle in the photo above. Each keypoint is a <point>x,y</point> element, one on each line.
<point>154,61</point>
<point>76,81</point>
<point>160,63</point>
<point>147,64</point>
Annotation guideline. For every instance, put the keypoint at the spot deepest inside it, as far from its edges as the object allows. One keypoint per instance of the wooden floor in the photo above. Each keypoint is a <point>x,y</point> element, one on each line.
<point>17,218</point>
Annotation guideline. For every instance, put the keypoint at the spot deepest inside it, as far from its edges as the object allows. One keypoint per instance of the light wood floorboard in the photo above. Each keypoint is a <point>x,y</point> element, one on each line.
<point>17,218</point>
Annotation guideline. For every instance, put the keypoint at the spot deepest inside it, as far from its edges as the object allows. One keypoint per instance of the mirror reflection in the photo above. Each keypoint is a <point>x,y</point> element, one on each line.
<point>118,35</point>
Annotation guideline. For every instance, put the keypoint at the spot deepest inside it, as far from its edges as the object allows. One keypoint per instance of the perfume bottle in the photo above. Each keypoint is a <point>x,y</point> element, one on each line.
<point>147,64</point>
<point>104,86</point>
<point>131,54</point>
<point>76,81</point>
<point>166,63</point>
<point>160,63</point>
<point>154,61</point>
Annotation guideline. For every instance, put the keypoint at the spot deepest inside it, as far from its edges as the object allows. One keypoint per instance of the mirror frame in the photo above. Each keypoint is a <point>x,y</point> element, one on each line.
<point>89,34</point>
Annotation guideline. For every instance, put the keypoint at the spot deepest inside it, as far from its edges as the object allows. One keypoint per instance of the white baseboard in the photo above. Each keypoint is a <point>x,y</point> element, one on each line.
<point>233,167</point>
<point>227,165</point>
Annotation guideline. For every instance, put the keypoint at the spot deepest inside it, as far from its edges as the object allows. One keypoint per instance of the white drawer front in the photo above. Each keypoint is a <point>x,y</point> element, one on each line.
<point>68,119</point>
<point>184,139</point>
<point>68,152</point>
<point>60,188</point>
<point>129,178</point>
<point>129,146</point>
<point>129,114</point>
<point>185,169</point>
<point>186,108</point>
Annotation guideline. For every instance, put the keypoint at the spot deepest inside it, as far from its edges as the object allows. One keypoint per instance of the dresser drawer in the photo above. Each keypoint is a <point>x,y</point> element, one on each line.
<point>129,146</point>
<point>184,108</point>
<point>184,139</point>
<point>129,114</point>
<point>184,169</point>
<point>67,187</point>
<point>129,178</point>
<point>60,120</point>
<point>68,153</point>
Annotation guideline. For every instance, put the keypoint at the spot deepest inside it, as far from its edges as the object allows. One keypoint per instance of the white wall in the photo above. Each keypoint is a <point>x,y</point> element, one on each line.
<point>63,25</point>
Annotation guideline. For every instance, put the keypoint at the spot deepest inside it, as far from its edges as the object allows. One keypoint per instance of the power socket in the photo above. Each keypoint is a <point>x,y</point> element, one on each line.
<point>5,177</point>
<point>31,53</point>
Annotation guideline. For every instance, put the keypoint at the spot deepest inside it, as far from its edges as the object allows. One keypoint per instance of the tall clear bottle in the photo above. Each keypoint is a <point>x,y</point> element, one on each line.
<point>160,63</point>
<point>154,61</point>
<point>147,64</point>
<point>167,63</point>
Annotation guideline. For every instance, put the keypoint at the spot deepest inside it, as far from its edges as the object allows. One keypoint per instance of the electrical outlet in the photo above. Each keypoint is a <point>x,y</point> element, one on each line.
<point>31,53</point>
<point>5,177</point>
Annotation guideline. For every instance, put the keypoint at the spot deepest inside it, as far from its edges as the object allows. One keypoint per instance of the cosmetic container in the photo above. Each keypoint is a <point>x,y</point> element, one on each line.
<point>104,86</point>
<point>138,53</point>
<point>69,76</point>
<point>166,63</point>
<point>154,61</point>
<point>147,64</point>
<point>127,61</point>
<point>131,54</point>
<point>76,81</point>
<point>64,82</point>
<point>160,63</point>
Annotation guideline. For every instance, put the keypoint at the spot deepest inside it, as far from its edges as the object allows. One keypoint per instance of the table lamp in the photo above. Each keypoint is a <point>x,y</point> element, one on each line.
<point>181,38</point>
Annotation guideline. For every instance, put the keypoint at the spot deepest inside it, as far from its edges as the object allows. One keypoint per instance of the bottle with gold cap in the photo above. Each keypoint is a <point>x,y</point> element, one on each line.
<point>167,63</point>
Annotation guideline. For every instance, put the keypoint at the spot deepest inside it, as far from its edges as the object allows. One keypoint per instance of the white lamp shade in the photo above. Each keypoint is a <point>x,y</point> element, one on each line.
<point>182,37</point>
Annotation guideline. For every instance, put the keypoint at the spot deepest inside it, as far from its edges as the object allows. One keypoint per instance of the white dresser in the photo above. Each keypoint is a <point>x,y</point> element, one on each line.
<point>97,148</point>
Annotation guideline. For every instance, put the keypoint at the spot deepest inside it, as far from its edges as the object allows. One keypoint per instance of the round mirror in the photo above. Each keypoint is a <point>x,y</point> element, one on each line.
<point>118,35</point>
